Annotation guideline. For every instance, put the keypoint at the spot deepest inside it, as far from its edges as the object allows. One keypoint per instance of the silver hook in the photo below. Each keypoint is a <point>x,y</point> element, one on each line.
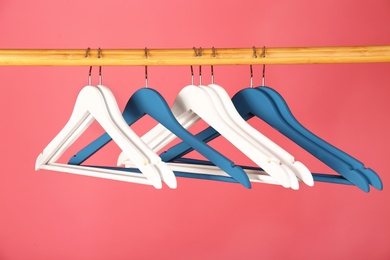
<point>251,84</point>
<point>200,67</point>
<point>89,76</point>
<point>200,75</point>
<point>100,75</point>
<point>254,52</point>
<point>263,78</point>
<point>192,75</point>
<point>90,68</point>
<point>196,53</point>
<point>212,66</point>
<point>100,68</point>
<point>146,77</point>
<point>212,74</point>
<point>146,53</point>
<point>146,69</point>
<point>87,52</point>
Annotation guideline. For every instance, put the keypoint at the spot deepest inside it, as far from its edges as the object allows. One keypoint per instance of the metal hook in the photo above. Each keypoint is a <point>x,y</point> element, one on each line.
<point>100,75</point>
<point>251,81</point>
<point>212,74</point>
<point>263,77</point>
<point>146,53</point>
<point>196,53</point>
<point>89,76</point>
<point>192,75</point>
<point>212,66</point>
<point>99,53</point>
<point>200,66</point>
<point>200,75</point>
<point>87,52</point>
<point>254,52</point>
<point>146,77</point>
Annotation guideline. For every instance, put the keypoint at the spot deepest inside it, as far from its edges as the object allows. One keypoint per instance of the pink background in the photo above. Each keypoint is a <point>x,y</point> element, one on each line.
<point>52,215</point>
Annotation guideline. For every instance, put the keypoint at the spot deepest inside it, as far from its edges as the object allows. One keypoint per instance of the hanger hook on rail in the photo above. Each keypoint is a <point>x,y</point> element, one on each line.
<point>192,75</point>
<point>263,77</point>
<point>254,52</point>
<point>200,66</point>
<point>100,68</point>
<point>251,76</point>
<point>146,68</point>
<point>212,66</point>
<point>87,52</point>
<point>90,68</point>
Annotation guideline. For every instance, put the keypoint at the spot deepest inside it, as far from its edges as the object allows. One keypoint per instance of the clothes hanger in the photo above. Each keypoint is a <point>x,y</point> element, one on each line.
<point>287,159</point>
<point>191,104</point>
<point>230,115</point>
<point>149,101</point>
<point>91,104</point>
<point>289,118</point>
<point>264,108</point>
<point>353,163</point>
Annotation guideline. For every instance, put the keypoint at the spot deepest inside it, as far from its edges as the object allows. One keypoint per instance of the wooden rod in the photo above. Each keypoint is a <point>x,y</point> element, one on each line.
<point>209,56</point>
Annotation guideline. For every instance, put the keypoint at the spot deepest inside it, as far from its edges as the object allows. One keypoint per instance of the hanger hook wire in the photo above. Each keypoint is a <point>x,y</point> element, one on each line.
<point>89,76</point>
<point>263,77</point>
<point>196,53</point>
<point>212,66</point>
<point>100,75</point>
<point>251,79</point>
<point>90,68</point>
<point>146,53</point>
<point>87,52</point>
<point>192,75</point>
<point>254,52</point>
<point>200,66</point>
<point>146,77</point>
<point>100,68</point>
<point>146,68</point>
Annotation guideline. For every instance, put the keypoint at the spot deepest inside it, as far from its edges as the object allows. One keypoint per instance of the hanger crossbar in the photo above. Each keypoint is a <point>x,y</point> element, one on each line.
<point>181,57</point>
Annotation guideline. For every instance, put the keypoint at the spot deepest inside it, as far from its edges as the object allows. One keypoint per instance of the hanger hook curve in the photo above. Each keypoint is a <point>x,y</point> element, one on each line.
<point>251,79</point>
<point>263,77</point>
<point>87,52</point>
<point>212,66</point>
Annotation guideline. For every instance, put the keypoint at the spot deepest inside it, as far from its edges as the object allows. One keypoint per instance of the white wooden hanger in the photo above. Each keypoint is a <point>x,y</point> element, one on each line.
<point>227,113</point>
<point>294,168</point>
<point>92,104</point>
<point>193,103</point>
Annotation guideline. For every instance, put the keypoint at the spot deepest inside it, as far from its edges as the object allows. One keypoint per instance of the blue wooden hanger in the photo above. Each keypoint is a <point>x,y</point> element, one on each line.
<point>148,101</point>
<point>250,102</point>
<point>287,115</point>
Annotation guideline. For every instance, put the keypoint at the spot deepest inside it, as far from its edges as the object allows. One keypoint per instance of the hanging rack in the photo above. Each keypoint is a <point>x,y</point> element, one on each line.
<point>181,57</point>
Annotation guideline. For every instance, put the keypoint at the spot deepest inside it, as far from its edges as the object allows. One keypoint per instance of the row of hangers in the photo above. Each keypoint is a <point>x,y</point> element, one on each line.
<point>139,162</point>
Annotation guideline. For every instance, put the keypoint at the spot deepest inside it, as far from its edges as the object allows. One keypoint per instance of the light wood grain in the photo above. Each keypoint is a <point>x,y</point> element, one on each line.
<point>172,57</point>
